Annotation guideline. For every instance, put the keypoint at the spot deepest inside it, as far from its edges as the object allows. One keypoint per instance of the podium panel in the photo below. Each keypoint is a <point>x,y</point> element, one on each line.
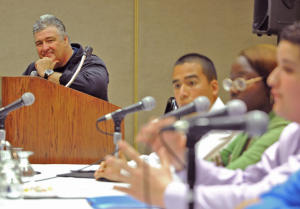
<point>60,126</point>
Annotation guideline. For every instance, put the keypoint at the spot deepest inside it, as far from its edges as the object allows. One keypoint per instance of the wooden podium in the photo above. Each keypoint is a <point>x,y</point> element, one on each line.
<point>60,126</point>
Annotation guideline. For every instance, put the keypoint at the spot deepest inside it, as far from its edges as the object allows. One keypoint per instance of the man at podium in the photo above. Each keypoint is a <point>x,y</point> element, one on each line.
<point>59,59</point>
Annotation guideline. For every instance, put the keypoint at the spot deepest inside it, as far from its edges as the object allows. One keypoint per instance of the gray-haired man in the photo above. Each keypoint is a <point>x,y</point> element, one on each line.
<point>59,59</point>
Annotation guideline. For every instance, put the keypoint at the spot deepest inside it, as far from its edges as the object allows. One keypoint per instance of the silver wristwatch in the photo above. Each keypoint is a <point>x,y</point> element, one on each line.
<point>48,72</point>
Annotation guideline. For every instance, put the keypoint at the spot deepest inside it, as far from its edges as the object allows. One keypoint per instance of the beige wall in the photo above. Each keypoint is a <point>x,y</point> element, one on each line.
<point>167,30</point>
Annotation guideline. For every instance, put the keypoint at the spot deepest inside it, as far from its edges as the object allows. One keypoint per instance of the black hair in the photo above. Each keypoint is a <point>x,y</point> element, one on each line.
<point>291,33</point>
<point>208,66</point>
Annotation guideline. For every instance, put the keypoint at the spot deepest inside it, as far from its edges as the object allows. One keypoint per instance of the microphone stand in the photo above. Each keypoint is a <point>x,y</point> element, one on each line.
<point>192,138</point>
<point>5,152</point>
<point>3,142</point>
<point>117,136</point>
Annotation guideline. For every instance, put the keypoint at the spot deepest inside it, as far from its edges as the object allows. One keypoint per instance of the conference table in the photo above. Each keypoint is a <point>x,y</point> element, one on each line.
<point>60,192</point>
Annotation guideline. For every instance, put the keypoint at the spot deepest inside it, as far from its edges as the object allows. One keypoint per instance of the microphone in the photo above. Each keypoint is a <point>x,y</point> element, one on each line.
<point>254,123</point>
<point>33,73</point>
<point>200,104</point>
<point>88,51</point>
<point>147,103</point>
<point>233,107</point>
<point>26,100</point>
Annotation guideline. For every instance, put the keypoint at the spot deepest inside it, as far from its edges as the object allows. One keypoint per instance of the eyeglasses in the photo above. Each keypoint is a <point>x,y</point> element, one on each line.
<point>239,83</point>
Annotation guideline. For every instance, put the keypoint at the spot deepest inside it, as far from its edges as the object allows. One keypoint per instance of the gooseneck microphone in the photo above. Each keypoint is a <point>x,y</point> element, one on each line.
<point>34,73</point>
<point>233,107</point>
<point>26,100</point>
<point>147,103</point>
<point>255,123</point>
<point>200,104</point>
<point>88,51</point>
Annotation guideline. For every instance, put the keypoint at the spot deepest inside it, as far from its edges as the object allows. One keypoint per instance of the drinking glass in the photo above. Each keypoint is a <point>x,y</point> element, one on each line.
<point>26,169</point>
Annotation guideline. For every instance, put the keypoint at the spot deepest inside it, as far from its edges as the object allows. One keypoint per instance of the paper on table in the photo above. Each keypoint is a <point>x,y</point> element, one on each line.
<point>70,188</point>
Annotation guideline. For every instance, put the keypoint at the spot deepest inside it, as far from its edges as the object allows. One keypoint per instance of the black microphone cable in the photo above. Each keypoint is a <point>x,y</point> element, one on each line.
<point>79,170</point>
<point>101,131</point>
<point>146,175</point>
<point>94,163</point>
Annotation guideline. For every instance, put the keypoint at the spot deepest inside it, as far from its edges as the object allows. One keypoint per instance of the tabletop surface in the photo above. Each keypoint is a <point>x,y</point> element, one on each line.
<point>46,190</point>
